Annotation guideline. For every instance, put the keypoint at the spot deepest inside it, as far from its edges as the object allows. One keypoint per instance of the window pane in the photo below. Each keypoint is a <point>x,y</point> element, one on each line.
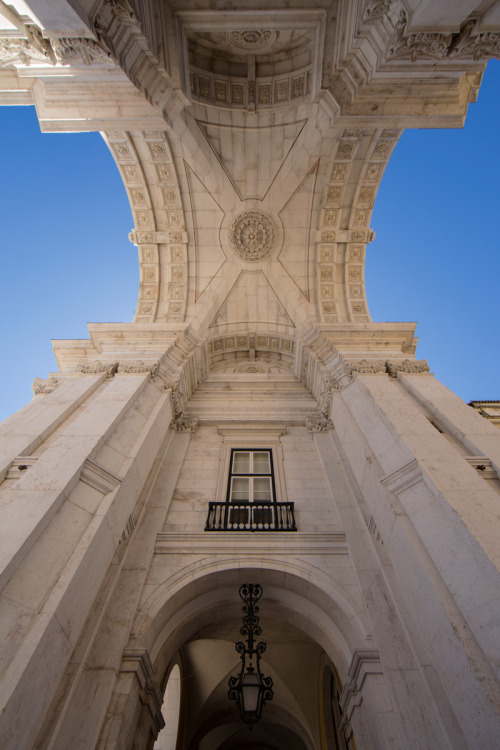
<point>241,462</point>
<point>262,490</point>
<point>261,463</point>
<point>239,488</point>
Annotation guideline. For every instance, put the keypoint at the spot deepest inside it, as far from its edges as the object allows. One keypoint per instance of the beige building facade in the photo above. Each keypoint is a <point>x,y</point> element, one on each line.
<point>252,424</point>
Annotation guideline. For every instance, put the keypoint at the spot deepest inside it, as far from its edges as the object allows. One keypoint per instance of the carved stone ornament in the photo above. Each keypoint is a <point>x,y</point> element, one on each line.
<point>436,46</point>
<point>32,48</point>
<point>96,367</point>
<point>185,424</point>
<point>252,235</point>
<point>252,39</point>
<point>70,50</point>
<point>138,366</point>
<point>319,424</point>
<point>408,366</point>
<point>40,386</point>
<point>251,369</point>
<point>120,9</point>
<point>376,9</point>
<point>365,367</point>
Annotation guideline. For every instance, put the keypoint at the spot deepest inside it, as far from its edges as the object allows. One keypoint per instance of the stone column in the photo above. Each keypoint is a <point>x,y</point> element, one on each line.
<point>62,523</point>
<point>432,518</point>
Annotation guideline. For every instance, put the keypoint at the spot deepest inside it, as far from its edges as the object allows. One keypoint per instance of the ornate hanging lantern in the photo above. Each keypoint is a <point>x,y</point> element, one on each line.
<point>250,689</point>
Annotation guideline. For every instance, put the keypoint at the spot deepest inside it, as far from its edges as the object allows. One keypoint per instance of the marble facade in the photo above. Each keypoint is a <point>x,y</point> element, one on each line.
<point>251,143</point>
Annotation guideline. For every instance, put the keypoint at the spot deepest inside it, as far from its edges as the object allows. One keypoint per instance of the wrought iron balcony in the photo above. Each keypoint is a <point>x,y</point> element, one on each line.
<point>246,516</point>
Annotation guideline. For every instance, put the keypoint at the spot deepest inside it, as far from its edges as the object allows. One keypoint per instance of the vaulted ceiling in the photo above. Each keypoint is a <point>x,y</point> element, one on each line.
<point>251,140</point>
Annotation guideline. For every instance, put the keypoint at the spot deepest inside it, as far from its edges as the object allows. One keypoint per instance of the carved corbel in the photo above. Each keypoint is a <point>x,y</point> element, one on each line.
<point>70,49</point>
<point>407,366</point>
<point>44,387</point>
<point>319,424</point>
<point>185,424</point>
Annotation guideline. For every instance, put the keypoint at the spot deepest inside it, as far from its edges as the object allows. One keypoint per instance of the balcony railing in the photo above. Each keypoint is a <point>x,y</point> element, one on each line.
<point>245,516</point>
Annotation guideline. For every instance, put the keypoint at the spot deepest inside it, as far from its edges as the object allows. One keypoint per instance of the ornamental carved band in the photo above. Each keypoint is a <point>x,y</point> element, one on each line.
<point>252,235</point>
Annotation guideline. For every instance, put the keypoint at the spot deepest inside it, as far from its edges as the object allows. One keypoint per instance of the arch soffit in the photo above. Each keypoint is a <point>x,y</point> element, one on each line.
<point>299,593</point>
<point>159,196</point>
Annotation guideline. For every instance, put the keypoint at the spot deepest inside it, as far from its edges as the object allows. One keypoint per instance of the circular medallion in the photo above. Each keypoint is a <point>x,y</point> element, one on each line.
<point>252,235</point>
<point>251,39</point>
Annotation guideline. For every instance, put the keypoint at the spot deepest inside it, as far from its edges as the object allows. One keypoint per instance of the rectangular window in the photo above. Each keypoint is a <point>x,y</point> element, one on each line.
<point>251,477</point>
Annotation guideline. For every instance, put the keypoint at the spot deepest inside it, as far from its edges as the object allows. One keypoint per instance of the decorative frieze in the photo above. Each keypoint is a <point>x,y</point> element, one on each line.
<point>96,367</point>
<point>365,367</point>
<point>250,342</point>
<point>34,48</point>
<point>222,91</point>
<point>137,366</point>
<point>152,146</point>
<point>468,43</point>
<point>407,366</point>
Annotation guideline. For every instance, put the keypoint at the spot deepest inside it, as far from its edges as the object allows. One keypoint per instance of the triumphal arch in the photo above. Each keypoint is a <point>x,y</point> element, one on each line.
<point>252,425</point>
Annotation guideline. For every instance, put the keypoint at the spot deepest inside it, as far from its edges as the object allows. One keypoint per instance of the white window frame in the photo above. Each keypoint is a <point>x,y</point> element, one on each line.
<point>253,439</point>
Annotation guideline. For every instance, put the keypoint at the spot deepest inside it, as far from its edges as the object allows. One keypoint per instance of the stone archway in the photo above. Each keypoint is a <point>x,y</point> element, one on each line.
<point>303,626</point>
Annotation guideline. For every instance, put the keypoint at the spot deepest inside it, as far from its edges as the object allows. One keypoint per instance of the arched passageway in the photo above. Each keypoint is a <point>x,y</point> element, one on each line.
<point>198,626</point>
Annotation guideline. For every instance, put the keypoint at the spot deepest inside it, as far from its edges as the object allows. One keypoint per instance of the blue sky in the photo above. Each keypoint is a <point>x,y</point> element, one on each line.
<point>66,257</point>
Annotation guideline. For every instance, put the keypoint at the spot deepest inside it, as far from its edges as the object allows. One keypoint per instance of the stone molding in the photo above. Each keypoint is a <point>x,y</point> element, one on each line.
<point>363,663</point>
<point>19,466</point>
<point>403,478</point>
<point>138,662</point>
<point>168,542</point>
<point>483,466</point>
<point>98,478</point>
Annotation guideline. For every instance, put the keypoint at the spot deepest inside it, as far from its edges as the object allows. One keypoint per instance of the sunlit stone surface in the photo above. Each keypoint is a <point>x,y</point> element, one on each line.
<point>251,143</point>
